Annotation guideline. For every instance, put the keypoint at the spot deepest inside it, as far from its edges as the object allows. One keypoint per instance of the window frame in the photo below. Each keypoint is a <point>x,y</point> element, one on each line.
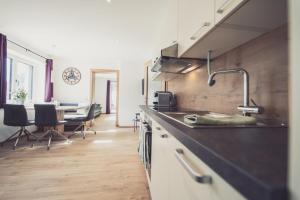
<point>13,70</point>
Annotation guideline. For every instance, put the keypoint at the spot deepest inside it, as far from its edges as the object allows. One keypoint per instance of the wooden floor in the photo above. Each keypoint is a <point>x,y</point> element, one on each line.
<point>103,167</point>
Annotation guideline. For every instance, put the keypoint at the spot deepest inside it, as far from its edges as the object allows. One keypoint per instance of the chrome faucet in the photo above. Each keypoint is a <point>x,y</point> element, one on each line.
<point>245,108</point>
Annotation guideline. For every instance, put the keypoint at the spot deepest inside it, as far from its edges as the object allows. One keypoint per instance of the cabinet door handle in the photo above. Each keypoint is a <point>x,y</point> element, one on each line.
<point>163,135</point>
<point>205,179</point>
<point>194,36</point>
<point>222,8</point>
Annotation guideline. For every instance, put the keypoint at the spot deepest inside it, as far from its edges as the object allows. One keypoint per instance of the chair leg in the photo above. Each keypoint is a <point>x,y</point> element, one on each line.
<point>89,128</point>
<point>44,135</point>
<point>17,139</point>
<point>83,132</point>
<point>61,135</point>
<point>10,137</point>
<point>49,140</point>
<point>74,132</point>
<point>30,134</point>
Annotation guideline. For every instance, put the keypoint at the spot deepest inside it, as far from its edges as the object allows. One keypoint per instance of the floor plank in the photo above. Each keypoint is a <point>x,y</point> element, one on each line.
<point>103,166</point>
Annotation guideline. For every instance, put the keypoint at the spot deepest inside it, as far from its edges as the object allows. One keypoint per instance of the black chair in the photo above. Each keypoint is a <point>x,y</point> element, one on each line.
<point>16,115</point>
<point>83,119</point>
<point>45,116</point>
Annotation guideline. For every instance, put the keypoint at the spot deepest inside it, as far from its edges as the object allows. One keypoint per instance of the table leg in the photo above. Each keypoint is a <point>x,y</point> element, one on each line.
<point>60,117</point>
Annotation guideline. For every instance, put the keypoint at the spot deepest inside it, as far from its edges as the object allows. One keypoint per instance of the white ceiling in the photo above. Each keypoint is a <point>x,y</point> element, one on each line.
<point>122,29</point>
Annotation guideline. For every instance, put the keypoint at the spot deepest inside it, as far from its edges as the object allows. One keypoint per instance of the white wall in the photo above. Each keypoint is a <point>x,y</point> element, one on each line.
<point>131,74</point>
<point>294,173</point>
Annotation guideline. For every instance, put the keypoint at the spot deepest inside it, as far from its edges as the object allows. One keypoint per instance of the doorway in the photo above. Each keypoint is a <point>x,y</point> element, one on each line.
<point>105,92</point>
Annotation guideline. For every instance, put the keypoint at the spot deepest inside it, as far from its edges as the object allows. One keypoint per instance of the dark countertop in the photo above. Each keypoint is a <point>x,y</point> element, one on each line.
<point>253,160</point>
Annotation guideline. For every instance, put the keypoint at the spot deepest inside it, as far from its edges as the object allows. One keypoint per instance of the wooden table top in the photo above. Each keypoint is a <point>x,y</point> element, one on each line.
<point>60,108</point>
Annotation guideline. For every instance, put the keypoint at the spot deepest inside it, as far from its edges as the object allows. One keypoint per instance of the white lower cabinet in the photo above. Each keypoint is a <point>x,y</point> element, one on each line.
<point>159,186</point>
<point>183,183</point>
<point>177,174</point>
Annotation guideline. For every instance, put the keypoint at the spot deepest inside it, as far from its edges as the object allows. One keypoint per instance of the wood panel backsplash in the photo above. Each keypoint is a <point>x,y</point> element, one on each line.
<point>266,60</point>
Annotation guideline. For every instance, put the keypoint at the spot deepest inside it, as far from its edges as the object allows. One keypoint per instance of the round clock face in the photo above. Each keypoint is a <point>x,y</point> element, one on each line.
<point>71,76</point>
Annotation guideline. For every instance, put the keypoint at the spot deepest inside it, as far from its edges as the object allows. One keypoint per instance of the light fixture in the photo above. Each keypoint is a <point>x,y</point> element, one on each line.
<point>189,69</point>
<point>108,1</point>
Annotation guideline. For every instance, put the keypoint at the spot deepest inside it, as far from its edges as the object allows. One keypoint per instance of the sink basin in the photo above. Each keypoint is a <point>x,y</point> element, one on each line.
<point>179,117</point>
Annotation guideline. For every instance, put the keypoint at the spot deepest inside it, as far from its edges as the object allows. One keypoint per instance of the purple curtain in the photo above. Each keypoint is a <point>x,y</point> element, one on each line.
<point>48,83</point>
<point>3,60</point>
<point>108,97</point>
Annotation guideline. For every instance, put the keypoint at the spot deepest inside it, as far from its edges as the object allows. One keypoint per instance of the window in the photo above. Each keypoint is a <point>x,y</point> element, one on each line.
<point>25,73</point>
<point>23,78</point>
<point>9,78</point>
<point>19,76</point>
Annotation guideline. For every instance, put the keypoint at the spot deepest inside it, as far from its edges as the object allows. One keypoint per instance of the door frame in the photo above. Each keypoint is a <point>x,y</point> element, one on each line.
<point>93,73</point>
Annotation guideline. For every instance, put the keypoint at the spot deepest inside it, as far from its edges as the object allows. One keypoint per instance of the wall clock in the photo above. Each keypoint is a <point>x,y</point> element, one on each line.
<point>71,76</point>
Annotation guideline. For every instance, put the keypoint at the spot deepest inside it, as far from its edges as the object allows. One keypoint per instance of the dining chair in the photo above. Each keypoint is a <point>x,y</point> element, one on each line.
<point>16,116</point>
<point>83,119</point>
<point>45,116</point>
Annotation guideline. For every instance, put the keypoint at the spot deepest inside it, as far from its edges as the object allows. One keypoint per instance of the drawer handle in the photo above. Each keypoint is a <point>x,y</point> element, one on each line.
<point>205,24</point>
<point>158,128</point>
<point>195,175</point>
<point>163,135</point>
<point>223,6</point>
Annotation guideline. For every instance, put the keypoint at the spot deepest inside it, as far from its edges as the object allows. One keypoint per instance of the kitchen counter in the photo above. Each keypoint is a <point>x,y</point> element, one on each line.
<point>253,160</point>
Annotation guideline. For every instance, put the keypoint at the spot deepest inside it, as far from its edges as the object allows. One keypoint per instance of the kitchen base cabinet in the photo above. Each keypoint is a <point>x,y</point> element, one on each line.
<point>183,184</point>
<point>159,186</point>
<point>186,183</point>
<point>177,174</point>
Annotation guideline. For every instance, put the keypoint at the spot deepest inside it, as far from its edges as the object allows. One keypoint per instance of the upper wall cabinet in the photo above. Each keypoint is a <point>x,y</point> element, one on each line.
<point>224,7</point>
<point>169,29</point>
<point>259,15</point>
<point>238,22</point>
<point>195,19</point>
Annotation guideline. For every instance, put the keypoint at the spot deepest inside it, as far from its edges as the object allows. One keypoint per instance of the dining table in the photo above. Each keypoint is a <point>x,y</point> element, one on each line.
<point>60,112</point>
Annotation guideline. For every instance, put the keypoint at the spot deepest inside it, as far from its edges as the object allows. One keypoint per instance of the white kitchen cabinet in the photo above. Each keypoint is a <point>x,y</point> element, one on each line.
<point>195,19</point>
<point>223,8</point>
<point>159,185</point>
<point>175,171</point>
<point>239,22</point>
<point>184,185</point>
<point>170,25</point>
<point>252,15</point>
